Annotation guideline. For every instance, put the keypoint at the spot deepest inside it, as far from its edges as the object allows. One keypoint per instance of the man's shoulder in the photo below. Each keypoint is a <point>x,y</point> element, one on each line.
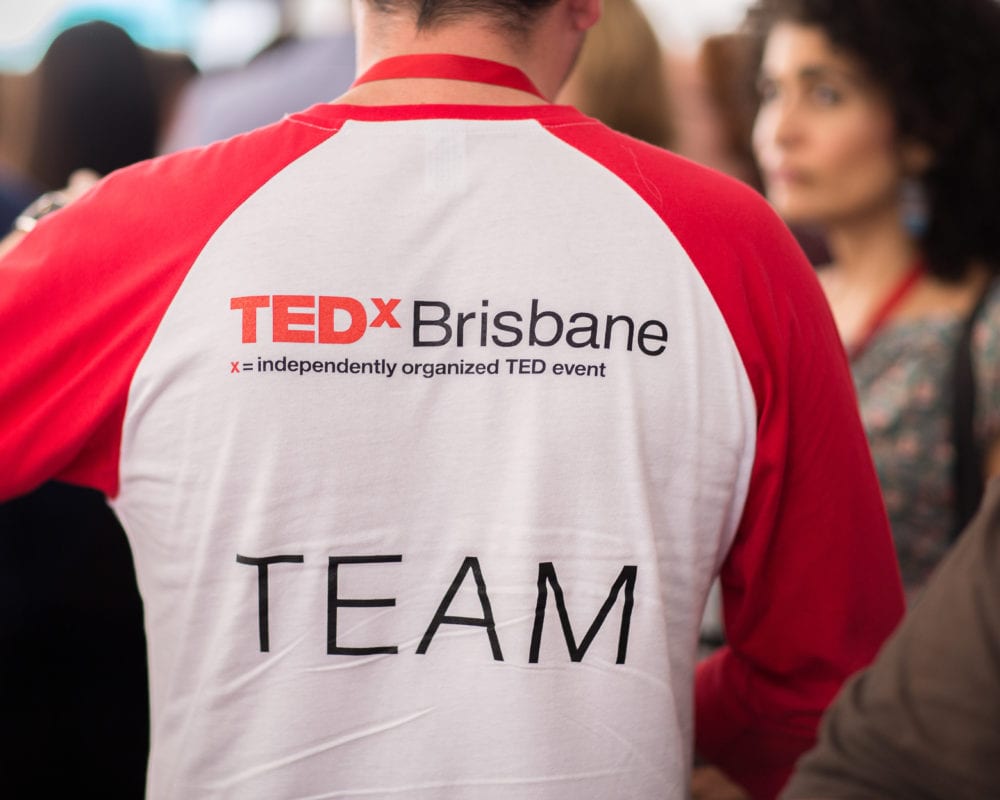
<point>210,173</point>
<point>672,184</point>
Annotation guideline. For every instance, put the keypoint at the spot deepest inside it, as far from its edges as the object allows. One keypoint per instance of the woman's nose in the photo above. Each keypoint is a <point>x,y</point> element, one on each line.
<point>785,123</point>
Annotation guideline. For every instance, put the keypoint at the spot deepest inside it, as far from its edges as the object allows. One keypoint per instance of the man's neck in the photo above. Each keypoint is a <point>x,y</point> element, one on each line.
<point>382,36</point>
<point>415,91</point>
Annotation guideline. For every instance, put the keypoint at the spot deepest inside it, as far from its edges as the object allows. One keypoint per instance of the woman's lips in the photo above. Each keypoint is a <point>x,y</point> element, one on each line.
<point>787,175</point>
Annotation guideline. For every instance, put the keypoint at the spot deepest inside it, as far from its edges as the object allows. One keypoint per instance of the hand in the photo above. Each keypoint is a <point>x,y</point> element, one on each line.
<point>709,783</point>
<point>79,182</point>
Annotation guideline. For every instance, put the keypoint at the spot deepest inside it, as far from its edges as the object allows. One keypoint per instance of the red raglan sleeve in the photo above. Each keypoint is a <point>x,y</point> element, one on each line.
<point>71,330</point>
<point>82,296</point>
<point>810,585</point>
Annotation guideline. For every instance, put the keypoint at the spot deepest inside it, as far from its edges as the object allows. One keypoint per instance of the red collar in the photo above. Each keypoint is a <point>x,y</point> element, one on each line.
<point>451,67</point>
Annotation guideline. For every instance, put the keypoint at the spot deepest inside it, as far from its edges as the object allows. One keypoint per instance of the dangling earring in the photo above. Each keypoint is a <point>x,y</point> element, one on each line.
<point>914,209</point>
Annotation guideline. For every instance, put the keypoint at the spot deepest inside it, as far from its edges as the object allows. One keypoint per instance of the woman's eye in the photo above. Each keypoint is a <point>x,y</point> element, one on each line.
<point>766,89</point>
<point>826,95</point>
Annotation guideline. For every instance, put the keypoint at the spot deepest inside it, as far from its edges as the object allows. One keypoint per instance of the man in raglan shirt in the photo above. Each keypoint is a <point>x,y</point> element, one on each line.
<point>431,415</point>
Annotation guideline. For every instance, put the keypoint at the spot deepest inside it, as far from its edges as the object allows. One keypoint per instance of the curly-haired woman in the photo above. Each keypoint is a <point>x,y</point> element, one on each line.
<point>879,123</point>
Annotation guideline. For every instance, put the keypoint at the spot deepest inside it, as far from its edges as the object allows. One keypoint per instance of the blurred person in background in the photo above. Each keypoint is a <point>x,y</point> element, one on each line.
<point>725,63</point>
<point>101,102</point>
<point>878,123</point>
<point>73,681</point>
<point>923,721</point>
<point>95,105</point>
<point>16,193</point>
<point>619,76</point>
<point>17,189</point>
<point>171,73</point>
<point>311,60</point>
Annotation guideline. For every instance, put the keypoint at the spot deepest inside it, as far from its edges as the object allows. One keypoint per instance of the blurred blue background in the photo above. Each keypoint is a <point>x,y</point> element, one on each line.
<point>215,33</point>
<point>222,33</point>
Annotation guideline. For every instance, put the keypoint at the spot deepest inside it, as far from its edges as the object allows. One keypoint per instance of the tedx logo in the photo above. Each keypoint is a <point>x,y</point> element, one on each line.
<point>312,319</point>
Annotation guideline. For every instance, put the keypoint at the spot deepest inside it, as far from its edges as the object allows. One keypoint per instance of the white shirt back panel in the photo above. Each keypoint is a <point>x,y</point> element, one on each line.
<point>438,496</point>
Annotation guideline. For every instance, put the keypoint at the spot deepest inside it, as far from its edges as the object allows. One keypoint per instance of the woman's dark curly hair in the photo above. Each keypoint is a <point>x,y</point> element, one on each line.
<point>938,62</point>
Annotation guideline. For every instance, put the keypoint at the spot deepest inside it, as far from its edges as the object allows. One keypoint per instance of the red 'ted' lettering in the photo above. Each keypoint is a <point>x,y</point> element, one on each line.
<point>295,317</point>
<point>249,306</point>
<point>385,309</point>
<point>328,334</point>
<point>282,318</point>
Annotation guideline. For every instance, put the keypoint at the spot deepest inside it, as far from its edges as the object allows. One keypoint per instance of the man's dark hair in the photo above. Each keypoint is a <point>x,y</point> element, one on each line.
<point>938,62</point>
<point>515,15</point>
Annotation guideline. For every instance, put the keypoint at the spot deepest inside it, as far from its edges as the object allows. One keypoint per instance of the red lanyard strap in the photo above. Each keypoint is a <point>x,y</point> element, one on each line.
<point>450,67</point>
<point>889,305</point>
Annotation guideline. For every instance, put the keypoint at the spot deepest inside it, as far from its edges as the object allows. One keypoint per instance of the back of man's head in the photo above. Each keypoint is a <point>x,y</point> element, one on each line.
<point>512,14</point>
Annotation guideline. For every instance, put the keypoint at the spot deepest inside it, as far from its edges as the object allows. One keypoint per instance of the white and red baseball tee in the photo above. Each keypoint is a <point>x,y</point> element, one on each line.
<point>430,427</point>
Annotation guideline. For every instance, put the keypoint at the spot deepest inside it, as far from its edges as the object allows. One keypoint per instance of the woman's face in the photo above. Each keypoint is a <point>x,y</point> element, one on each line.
<point>824,135</point>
